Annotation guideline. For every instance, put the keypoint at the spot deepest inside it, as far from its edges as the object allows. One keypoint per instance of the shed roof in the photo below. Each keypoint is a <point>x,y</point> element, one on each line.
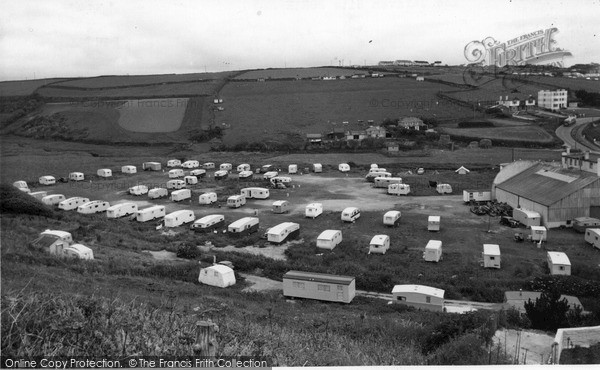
<point>559,258</point>
<point>491,249</point>
<point>319,277</point>
<point>463,168</point>
<point>422,289</point>
<point>547,185</point>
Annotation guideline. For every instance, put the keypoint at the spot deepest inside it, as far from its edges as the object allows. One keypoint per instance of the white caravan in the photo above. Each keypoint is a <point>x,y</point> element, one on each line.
<point>190,164</point>
<point>292,169</point>
<point>379,244</point>
<point>158,193</point>
<point>217,275</point>
<point>129,169</point>
<point>21,185</point>
<point>433,223</point>
<point>53,199</point>
<point>245,175</point>
<point>433,251</point>
<point>208,223</point>
<point>179,195</point>
<point>47,180</point>
<point>398,189</point>
<point>313,210</point>
<point>236,201</point>
<point>200,172</point>
<point>243,167</point>
<point>444,189</point>
<point>173,163</point>
<point>138,190</point>
<point>208,166</point>
<point>190,180</point>
<point>221,174</point>
<point>350,214</point>
<point>150,213</point>
<point>76,176</point>
<point>122,209</point>
<point>384,182</point>
<point>329,239</point>
<point>283,232</point>
<point>175,173</point>
<point>270,174</point>
<point>371,176</point>
<point>225,167</point>
<point>70,204</point>
<point>175,184</point>
<point>255,193</point>
<point>392,218</point>
<point>244,226</point>
<point>317,168</point>
<point>104,172</point>
<point>79,251</point>
<point>39,195</point>
<point>344,167</point>
<point>207,198</point>
<point>95,206</point>
<point>592,236</point>
<point>179,218</point>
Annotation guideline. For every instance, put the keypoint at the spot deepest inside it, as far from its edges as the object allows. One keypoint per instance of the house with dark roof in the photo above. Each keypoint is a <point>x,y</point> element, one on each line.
<point>557,193</point>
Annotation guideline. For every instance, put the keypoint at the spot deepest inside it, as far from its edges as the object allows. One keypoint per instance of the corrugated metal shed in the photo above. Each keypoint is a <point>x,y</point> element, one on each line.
<point>547,185</point>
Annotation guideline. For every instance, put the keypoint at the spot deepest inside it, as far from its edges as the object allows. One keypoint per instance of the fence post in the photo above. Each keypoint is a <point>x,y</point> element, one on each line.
<point>206,339</point>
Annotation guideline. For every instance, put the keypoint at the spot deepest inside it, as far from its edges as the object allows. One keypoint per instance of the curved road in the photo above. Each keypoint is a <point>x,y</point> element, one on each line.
<point>564,133</point>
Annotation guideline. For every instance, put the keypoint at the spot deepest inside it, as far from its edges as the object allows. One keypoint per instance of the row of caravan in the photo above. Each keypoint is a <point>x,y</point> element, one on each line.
<point>79,176</point>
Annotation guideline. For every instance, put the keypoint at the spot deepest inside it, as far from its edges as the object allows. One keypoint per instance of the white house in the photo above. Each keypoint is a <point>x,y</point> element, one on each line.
<point>553,100</point>
<point>491,256</point>
<point>419,296</point>
<point>217,275</point>
<point>559,263</point>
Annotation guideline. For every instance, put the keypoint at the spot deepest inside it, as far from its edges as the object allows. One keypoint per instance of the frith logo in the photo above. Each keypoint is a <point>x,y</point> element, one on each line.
<point>531,48</point>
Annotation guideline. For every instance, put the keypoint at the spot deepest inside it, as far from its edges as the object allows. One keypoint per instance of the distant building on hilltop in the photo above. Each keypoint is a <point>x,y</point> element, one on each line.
<point>553,100</point>
<point>385,63</point>
<point>421,63</point>
<point>412,123</point>
<point>376,132</point>
<point>404,63</point>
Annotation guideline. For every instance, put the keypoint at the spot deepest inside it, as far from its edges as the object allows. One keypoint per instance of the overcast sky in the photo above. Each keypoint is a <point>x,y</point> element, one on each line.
<point>61,38</point>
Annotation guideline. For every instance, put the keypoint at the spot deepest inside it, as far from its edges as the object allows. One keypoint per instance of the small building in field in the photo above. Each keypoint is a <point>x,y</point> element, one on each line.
<point>377,132</point>
<point>315,139</point>
<point>477,195</point>
<point>462,170</point>
<point>419,296</point>
<point>217,275</point>
<point>324,287</point>
<point>433,251</point>
<point>433,223</point>
<point>412,123</point>
<point>559,263</point>
<point>491,256</point>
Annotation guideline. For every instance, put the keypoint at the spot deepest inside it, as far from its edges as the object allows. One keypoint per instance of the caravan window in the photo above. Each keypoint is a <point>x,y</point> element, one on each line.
<point>401,298</point>
<point>340,287</point>
<point>428,299</point>
<point>323,287</point>
<point>296,284</point>
<point>216,274</point>
<point>492,258</point>
<point>561,267</point>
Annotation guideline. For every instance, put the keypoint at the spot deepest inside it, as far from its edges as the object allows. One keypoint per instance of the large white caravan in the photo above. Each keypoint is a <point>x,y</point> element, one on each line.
<point>122,209</point>
<point>398,189</point>
<point>150,213</point>
<point>255,193</point>
<point>392,218</point>
<point>94,206</point>
<point>53,199</point>
<point>128,169</point>
<point>173,163</point>
<point>244,226</point>
<point>236,201</point>
<point>104,172</point>
<point>207,198</point>
<point>329,239</point>
<point>157,193</point>
<point>350,214</point>
<point>76,176</point>
<point>72,203</point>
<point>208,223</point>
<point>47,180</point>
<point>179,195</point>
<point>190,164</point>
<point>179,218</point>
<point>175,173</point>
<point>138,190</point>
<point>283,232</point>
<point>175,184</point>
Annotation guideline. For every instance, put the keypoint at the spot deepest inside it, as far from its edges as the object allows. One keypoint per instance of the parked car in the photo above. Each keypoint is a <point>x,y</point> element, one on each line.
<point>509,221</point>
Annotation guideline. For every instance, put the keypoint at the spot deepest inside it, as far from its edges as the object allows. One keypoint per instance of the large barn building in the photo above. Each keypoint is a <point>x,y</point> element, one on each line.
<point>558,193</point>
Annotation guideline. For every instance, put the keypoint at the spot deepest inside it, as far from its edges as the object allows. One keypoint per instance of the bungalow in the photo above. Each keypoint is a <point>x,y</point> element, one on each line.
<point>376,132</point>
<point>412,123</point>
<point>356,135</point>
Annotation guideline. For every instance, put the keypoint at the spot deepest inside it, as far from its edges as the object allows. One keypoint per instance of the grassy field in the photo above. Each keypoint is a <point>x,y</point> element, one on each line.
<point>298,73</point>
<point>256,109</point>
<point>25,87</point>
<point>523,134</point>
<point>125,81</point>
<point>492,90</point>
<point>461,79</point>
<point>182,89</point>
<point>567,83</point>
<point>156,115</point>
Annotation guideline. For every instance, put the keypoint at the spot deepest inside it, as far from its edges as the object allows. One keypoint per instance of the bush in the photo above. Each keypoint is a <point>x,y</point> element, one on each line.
<point>548,312</point>
<point>485,143</point>
<point>188,251</point>
<point>13,200</point>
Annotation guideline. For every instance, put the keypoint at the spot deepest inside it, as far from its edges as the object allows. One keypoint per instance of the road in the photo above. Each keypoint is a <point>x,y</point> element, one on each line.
<point>564,133</point>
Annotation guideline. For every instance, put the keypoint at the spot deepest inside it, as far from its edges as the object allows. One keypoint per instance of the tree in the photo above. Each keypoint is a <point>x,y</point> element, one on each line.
<point>548,312</point>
